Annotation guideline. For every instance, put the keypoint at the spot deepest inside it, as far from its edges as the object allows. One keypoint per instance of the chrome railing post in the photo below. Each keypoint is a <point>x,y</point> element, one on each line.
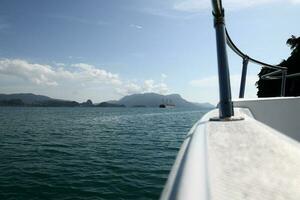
<point>283,81</point>
<point>243,78</point>
<point>225,104</point>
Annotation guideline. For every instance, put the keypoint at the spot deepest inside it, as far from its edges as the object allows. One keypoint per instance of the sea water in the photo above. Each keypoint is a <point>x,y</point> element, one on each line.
<point>89,153</point>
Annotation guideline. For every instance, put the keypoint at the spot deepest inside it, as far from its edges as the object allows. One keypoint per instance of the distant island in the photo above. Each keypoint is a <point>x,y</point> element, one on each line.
<point>134,100</point>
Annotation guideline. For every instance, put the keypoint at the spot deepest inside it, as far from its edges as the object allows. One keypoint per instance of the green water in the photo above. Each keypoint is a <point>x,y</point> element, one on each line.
<point>89,153</point>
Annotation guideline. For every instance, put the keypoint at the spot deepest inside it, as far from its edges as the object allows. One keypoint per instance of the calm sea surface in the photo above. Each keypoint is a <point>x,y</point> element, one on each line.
<point>89,153</point>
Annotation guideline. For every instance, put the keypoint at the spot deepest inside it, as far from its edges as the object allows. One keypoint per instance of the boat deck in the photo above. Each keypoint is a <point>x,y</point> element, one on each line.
<point>235,160</point>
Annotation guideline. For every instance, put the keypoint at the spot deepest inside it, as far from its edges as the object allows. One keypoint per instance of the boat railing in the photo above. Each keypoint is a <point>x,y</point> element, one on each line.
<point>268,76</point>
<point>223,38</point>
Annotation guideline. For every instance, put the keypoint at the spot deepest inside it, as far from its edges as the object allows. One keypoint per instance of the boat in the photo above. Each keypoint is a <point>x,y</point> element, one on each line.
<point>167,104</point>
<point>244,148</point>
<point>162,106</point>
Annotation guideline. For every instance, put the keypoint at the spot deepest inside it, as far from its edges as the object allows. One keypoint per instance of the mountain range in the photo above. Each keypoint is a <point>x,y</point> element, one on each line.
<point>154,100</point>
<point>134,100</point>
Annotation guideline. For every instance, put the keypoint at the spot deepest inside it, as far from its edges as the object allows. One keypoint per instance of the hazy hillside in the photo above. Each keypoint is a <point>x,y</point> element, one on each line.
<point>27,98</point>
<point>154,100</point>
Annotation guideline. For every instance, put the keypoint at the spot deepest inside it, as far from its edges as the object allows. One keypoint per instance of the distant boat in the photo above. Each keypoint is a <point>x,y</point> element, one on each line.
<point>162,106</point>
<point>167,104</point>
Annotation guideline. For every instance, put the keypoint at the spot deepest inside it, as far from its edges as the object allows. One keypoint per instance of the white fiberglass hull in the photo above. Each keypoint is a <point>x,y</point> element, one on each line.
<point>235,160</point>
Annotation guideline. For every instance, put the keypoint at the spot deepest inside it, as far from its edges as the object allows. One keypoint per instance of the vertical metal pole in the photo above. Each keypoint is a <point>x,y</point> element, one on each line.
<point>283,81</point>
<point>225,105</point>
<point>243,78</point>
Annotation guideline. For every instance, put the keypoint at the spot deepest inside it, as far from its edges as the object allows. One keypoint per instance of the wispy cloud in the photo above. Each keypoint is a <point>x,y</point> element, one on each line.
<point>146,86</point>
<point>198,5</point>
<point>59,64</point>
<point>136,26</point>
<point>75,57</point>
<point>88,72</point>
<point>151,86</point>
<point>163,76</point>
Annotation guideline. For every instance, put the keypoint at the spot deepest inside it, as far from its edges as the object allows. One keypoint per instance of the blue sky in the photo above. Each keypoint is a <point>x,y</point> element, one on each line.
<point>102,50</point>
